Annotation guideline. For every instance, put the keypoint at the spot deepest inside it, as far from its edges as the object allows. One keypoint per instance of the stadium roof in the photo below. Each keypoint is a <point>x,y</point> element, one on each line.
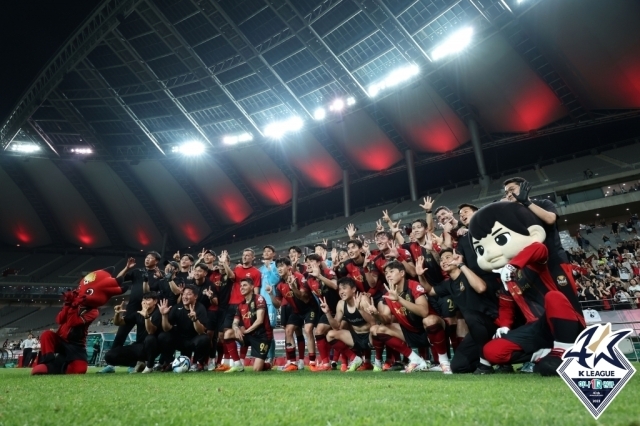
<point>141,78</point>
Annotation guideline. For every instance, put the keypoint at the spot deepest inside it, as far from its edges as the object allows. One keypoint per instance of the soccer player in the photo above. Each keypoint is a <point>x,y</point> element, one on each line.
<point>184,328</point>
<point>209,299</point>
<point>356,268</point>
<point>185,268</point>
<point>166,287</point>
<point>517,190</point>
<point>295,255</point>
<point>244,270</point>
<point>509,236</point>
<point>323,285</point>
<point>405,302</point>
<point>321,250</point>
<point>148,322</point>
<point>222,288</point>
<point>450,226</point>
<point>350,309</point>
<point>293,296</point>
<point>142,280</point>
<point>251,327</point>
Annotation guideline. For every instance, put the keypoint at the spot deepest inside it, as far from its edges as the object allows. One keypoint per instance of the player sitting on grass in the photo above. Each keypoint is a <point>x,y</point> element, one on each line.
<point>251,327</point>
<point>351,310</point>
<point>405,302</point>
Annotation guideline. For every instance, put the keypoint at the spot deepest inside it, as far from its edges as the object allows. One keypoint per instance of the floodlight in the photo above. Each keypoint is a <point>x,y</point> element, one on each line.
<point>337,105</point>
<point>278,129</point>
<point>234,139</point>
<point>189,149</point>
<point>454,44</point>
<point>25,148</point>
<point>394,78</point>
<point>319,114</point>
<point>351,101</point>
<point>83,151</point>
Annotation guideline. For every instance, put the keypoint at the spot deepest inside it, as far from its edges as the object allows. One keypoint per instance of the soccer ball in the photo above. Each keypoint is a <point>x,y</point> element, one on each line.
<point>181,364</point>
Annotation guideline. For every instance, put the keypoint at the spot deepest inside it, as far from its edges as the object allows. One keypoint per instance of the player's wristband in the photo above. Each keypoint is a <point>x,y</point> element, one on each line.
<point>429,211</point>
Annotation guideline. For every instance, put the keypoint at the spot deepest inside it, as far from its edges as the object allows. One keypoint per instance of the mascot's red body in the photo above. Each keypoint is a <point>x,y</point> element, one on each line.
<point>65,351</point>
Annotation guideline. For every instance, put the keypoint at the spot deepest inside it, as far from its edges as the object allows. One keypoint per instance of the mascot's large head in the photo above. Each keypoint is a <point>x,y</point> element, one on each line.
<point>97,287</point>
<point>499,231</point>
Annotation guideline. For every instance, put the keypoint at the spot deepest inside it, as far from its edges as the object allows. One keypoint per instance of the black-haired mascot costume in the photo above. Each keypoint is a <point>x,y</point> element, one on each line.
<point>508,239</point>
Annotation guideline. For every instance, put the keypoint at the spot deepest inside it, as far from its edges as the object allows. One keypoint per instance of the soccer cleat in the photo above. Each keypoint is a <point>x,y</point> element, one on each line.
<point>222,368</point>
<point>446,368</point>
<point>397,366</point>
<point>147,370</point>
<point>290,367</point>
<point>386,366</point>
<point>322,367</point>
<point>435,369</point>
<point>200,368</point>
<point>301,364</point>
<point>107,369</point>
<point>483,369</point>
<point>131,370</point>
<point>140,366</point>
<point>355,364</point>
<point>415,367</point>
<point>504,369</point>
<point>343,367</point>
<point>548,365</point>
<point>377,368</point>
<point>211,365</point>
<point>365,366</point>
<point>527,367</point>
<point>235,369</point>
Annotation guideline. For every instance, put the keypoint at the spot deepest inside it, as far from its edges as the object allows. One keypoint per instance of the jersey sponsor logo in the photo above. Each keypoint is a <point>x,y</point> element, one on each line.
<point>246,315</point>
<point>420,288</point>
<point>462,287</point>
<point>252,305</point>
<point>595,369</point>
<point>561,280</point>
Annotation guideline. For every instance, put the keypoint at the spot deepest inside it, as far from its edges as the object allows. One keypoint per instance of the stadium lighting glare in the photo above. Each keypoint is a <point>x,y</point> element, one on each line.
<point>189,149</point>
<point>351,101</point>
<point>337,105</point>
<point>454,44</point>
<point>83,151</point>
<point>25,148</point>
<point>279,128</point>
<point>234,139</point>
<point>394,78</point>
<point>319,114</point>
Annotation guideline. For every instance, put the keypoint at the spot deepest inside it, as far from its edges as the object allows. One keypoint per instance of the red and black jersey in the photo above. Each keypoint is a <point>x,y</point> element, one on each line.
<point>407,319</point>
<point>74,323</point>
<point>533,281</point>
<point>247,313</point>
<point>241,272</point>
<point>433,274</point>
<point>320,289</point>
<point>349,268</point>
<point>284,293</point>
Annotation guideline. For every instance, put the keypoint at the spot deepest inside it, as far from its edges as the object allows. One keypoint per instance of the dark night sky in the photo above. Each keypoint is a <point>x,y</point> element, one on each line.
<point>31,31</point>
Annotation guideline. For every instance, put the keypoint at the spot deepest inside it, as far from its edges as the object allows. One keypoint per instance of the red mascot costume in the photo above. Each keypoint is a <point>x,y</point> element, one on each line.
<point>65,351</point>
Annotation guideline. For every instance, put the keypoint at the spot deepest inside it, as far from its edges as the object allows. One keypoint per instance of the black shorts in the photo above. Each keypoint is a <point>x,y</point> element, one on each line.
<point>415,340</point>
<point>360,341</point>
<point>229,316</point>
<point>212,321</point>
<point>291,318</point>
<point>311,317</point>
<point>323,319</point>
<point>259,345</point>
<point>444,306</point>
<point>222,315</point>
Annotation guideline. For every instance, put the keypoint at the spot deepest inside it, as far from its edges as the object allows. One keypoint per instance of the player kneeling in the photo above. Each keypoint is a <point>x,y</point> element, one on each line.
<point>251,328</point>
<point>352,310</point>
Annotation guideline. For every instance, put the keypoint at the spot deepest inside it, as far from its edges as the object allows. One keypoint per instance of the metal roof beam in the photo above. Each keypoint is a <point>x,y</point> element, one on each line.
<point>104,18</point>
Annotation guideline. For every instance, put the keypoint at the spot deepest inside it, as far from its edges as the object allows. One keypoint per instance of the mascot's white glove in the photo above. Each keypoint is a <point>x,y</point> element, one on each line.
<point>501,332</point>
<point>507,273</point>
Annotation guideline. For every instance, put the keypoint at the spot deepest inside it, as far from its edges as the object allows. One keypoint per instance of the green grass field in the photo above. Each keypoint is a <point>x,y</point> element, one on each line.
<point>302,398</point>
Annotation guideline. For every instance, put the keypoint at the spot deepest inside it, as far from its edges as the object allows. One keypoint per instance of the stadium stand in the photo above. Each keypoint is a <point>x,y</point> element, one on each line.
<point>15,315</point>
